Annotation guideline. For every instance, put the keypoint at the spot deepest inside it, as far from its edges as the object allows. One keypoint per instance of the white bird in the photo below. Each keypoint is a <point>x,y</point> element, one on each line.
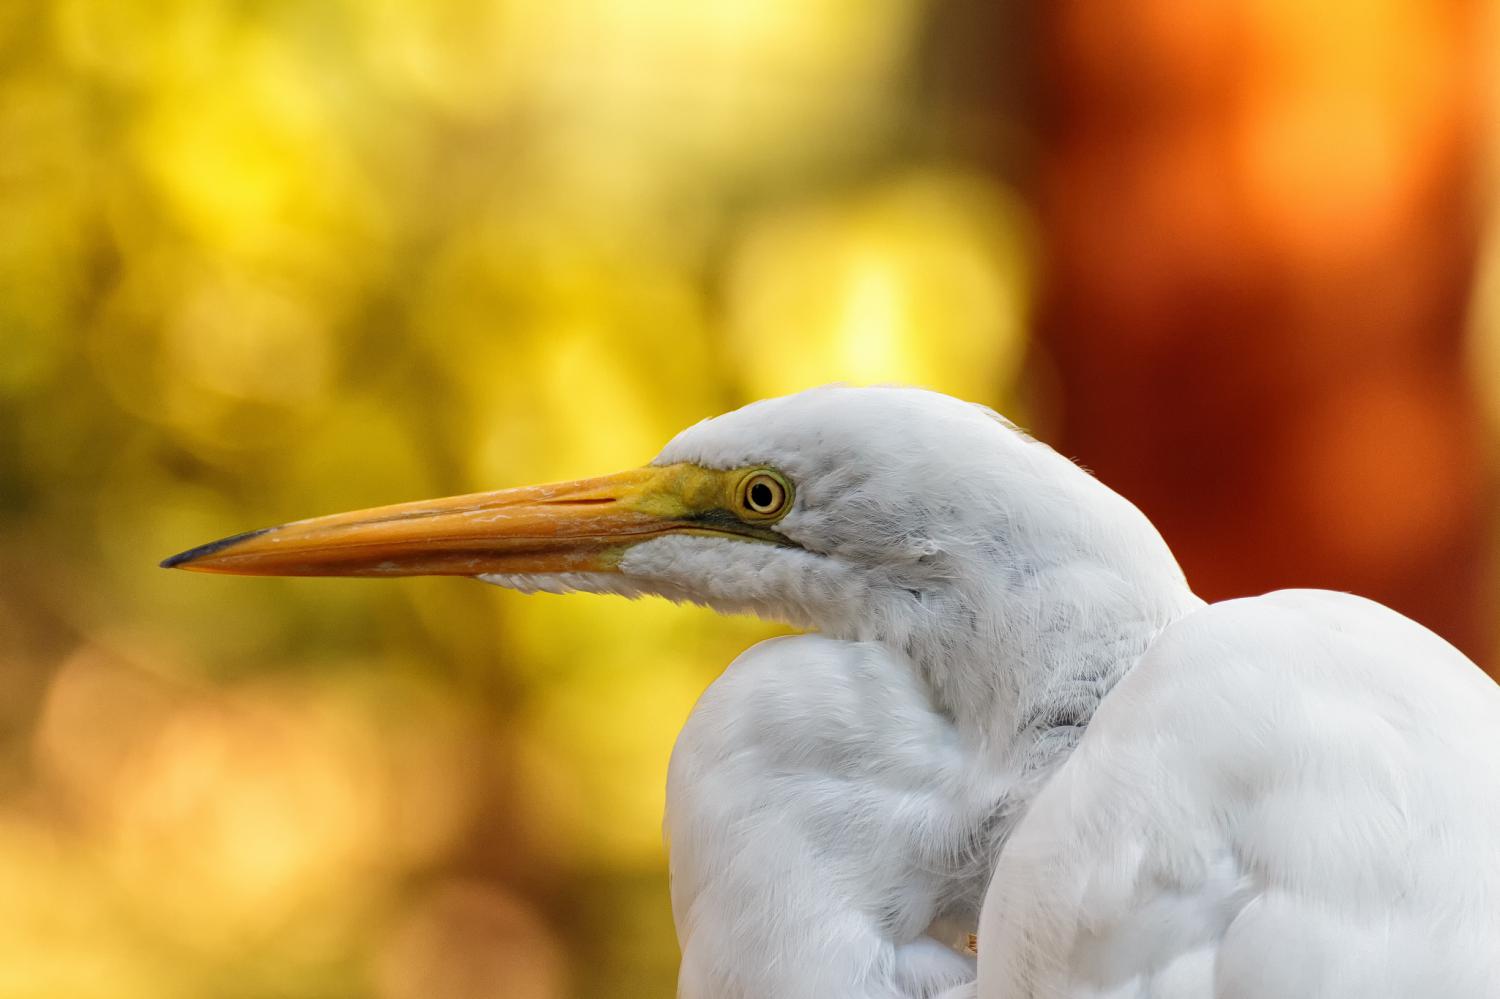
<point>1012,713</point>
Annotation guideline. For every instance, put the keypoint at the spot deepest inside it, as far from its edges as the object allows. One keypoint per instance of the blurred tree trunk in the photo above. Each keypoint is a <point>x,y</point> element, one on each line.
<point>1260,224</point>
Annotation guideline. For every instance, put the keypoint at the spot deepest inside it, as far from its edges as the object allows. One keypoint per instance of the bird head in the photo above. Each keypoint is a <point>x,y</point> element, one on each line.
<point>858,511</point>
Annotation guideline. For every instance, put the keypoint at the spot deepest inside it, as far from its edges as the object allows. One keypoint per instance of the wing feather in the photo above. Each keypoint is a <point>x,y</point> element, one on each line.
<point>1290,795</point>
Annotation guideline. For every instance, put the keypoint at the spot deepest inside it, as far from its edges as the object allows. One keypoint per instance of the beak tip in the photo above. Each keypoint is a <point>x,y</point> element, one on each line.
<point>185,560</point>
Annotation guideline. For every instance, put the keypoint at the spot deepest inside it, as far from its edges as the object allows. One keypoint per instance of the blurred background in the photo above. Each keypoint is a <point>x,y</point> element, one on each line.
<point>264,259</point>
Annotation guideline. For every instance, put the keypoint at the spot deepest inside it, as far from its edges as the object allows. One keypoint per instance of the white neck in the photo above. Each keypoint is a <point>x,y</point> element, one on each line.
<point>1022,666</point>
<point>1021,677</point>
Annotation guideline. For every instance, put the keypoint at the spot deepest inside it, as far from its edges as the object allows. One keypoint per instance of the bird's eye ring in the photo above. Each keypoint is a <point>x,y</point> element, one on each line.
<point>764,495</point>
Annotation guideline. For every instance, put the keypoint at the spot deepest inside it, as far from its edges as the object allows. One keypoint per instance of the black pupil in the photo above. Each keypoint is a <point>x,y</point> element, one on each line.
<point>762,496</point>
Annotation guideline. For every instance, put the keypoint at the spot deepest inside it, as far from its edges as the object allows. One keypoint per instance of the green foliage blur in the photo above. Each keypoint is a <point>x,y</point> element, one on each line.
<point>266,259</point>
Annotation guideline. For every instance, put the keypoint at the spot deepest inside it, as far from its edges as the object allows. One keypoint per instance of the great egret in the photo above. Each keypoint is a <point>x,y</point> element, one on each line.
<point>1013,712</point>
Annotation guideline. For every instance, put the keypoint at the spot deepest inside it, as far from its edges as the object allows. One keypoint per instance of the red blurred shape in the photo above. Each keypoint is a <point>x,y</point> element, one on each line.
<point>1260,223</point>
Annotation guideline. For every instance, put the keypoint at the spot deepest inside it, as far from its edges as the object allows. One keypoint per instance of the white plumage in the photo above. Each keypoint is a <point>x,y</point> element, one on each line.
<point>1292,795</point>
<point>1014,715</point>
<point>1288,795</point>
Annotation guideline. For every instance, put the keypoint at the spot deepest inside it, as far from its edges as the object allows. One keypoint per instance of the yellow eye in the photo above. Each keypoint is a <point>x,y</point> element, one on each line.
<point>764,495</point>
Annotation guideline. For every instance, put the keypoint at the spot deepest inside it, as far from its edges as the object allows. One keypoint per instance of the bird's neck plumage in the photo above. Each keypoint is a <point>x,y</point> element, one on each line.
<point>1021,672</point>
<point>1052,597</point>
<point>1020,664</point>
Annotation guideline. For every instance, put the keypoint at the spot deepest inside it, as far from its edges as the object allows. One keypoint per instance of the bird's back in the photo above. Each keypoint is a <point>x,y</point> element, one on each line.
<point>1290,795</point>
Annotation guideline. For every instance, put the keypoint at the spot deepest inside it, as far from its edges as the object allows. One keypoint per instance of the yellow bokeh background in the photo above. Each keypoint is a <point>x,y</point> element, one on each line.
<point>267,260</point>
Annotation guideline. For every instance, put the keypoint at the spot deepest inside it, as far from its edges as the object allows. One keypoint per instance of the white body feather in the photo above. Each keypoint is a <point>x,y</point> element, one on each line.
<point>1290,795</point>
<point>814,801</point>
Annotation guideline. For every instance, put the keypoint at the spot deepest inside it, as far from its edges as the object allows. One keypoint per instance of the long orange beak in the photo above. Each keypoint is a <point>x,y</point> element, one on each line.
<point>583,526</point>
